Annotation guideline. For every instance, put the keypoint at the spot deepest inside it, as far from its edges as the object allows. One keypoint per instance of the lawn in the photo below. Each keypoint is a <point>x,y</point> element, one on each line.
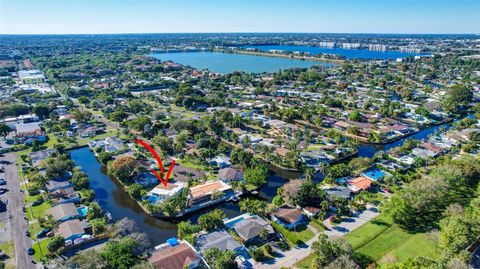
<point>40,248</point>
<point>380,238</point>
<point>39,210</point>
<point>9,250</point>
<point>301,236</point>
<point>317,224</point>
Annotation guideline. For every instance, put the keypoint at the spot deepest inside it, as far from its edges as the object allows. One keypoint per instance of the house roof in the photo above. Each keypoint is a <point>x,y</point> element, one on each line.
<point>361,182</point>
<point>282,151</point>
<point>339,191</point>
<point>287,214</point>
<point>63,210</point>
<point>217,239</point>
<point>230,174</point>
<point>69,228</point>
<point>251,227</point>
<point>173,257</point>
<point>207,188</point>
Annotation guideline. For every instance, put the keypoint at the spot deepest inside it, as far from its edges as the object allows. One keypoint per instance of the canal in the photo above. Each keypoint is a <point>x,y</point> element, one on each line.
<point>112,198</point>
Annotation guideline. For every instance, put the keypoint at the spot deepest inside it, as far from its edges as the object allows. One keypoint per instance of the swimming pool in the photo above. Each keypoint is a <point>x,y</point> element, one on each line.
<point>82,211</point>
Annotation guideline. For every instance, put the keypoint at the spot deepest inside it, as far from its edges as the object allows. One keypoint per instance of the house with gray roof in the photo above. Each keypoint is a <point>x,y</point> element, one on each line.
<point>218,239</point>
<point>249,228</point>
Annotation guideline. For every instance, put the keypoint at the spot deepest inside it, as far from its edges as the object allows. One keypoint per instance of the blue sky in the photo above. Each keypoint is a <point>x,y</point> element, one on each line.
<point>167,16</point>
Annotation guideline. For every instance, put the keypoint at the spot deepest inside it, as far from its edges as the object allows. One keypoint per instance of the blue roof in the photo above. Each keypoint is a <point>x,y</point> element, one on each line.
<point>373,174</point>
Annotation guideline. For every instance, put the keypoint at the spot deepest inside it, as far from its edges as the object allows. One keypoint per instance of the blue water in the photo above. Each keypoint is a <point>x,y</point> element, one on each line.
<point>368,150</point>
<point>82,211</point>
<point>227,63</point>
<point>348,53</point>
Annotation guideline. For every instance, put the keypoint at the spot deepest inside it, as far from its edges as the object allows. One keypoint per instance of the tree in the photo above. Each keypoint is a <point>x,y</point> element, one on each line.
<point>256,175</point>
<point>309,173</point>
<point>126,226</point>
<point>94,211</point>
<point>139,123</point>
<point>86,260</point>
<point>124,168</point>
<point>218,259</point>
<point>309,195</point>
<point>163,143</point>
<point>55,243</point>
<point>135,190</point>
<point>120,253</point>
<point>212,220</point>
<point>355,116</point>
<point>99,225</point>
<point>41,110</point>
<point>187,230</point>
<point>4,129</point>
<point>257,254</point>
<point>80,180</point>
<point>56,168</point>
<point>104,157</point>
<point>254,206</point>
<point>343,261</point>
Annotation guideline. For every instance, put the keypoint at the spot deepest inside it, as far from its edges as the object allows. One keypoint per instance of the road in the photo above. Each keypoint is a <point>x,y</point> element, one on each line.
<point>292,256</point>
<point>18,224</point>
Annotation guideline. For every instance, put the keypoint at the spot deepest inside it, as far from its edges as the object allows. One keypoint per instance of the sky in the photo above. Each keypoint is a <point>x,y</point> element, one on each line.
<point>192,16</point>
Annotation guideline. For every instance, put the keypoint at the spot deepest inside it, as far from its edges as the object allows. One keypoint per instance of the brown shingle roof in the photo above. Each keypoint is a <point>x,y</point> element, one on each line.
<point>287,214</point>
<point>176,257</point>
<point>63,210</point>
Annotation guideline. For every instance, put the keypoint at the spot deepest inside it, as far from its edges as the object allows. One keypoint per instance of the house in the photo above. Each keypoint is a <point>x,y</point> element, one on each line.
<point>203,193</point>
<point>405,159</point>
<point>64,212</point>
<point>339,192</point>
<point>220,239</point>
<point>359,183</point>
<point>249,228</point>
<point>12,122</point>
<point>31,76</point>
<point>164,192</point>
<point>282,152</point>
<point>220,161</point>
<point>423,153</point>
<point>54,185</point>
<point>175,255</point>
<point>311,211</point>
<point>289,217</point>
<point>67,195</point>
<point>431,147</point>
<point>37,157</point>
<point>230,174</point>
<point>71,229</point>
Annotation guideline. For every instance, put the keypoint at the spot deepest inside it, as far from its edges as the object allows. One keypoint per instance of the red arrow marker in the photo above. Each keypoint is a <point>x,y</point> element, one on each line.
<point>159,161</point>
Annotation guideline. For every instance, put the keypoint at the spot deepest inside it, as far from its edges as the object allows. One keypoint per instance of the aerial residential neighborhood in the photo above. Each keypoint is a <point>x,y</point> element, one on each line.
<point>254,148</point>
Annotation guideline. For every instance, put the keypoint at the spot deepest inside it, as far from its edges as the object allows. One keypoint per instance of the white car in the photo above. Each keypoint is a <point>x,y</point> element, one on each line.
<point>240,260</point>
<point>68,243</point>
<point>86,236</point>
<point>78,241</point>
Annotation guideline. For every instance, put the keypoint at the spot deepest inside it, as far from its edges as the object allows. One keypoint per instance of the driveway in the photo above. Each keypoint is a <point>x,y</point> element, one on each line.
<point>352,223</point>
<point>18,224</point>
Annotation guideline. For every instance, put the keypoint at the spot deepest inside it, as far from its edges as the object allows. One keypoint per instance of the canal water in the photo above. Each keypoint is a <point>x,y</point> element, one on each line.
<point>112,198</point>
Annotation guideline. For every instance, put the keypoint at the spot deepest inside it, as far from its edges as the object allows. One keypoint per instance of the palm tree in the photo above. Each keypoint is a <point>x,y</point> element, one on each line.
<point>309,173</point>
<point>324,168</point>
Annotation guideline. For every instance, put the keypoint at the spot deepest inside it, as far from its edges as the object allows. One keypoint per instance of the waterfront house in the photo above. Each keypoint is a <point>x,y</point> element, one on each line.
<point>175,255</point>
<point>423,153</point>
<point>359,183</point>
<point>67,195</point>
<point>311,211</point>
<point>54,185</point>
<point>71,229</point>
<point>164,192</point>
<point>220,239</point>
<point>289,217</point>
<point>146,179</point>
<point>405,159</point>
<point>208,191</point>
<point>64,212</point>
<point>249,228</point>
<point>230,174</point>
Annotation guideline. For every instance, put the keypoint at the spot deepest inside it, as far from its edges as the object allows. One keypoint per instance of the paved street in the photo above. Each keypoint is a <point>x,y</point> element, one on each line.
<point>18,223</point>
<point>352,223</point>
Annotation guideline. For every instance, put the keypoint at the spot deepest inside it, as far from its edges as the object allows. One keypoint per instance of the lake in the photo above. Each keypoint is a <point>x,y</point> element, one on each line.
<point>348,53</point>
<point>225,63</point>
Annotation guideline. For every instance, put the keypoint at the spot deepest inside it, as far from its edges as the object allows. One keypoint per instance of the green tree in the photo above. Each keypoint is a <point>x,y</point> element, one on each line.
<point>212,220</point>
<point>120,253</point>
<point>55,243</point>
<point>94,211</point>
<point>257,175</point>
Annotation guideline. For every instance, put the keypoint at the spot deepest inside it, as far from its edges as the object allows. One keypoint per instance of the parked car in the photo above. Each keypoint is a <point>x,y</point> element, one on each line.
<point>50,234</point>
<point>78,241</point>
<point>30,251</point>
<point>3,181</point>
<point>68,243</point>
<point>43,233</point>
<point>3,190</point>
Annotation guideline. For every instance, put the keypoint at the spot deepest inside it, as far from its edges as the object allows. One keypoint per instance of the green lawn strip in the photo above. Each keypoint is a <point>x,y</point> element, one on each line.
<point>317,225</point>
<point>305,263</point>
<point>40,248</point>
<point>302,235</point>
<point>9,250</point>
<point>38,211</point>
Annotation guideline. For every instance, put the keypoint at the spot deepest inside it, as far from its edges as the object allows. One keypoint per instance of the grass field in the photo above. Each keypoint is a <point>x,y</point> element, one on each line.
<point>9,250</point>
<point>40,249</point>
<point>301,236</point>
<point>380,238</point>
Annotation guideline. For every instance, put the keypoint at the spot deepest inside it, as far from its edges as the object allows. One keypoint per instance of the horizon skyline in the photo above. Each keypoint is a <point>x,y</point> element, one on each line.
<point>57,17</point>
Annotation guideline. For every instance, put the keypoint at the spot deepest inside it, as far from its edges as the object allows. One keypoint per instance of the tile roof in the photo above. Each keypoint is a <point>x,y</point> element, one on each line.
<point>63,210</point>
<point>174,257</point>
<point>287,214</point>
